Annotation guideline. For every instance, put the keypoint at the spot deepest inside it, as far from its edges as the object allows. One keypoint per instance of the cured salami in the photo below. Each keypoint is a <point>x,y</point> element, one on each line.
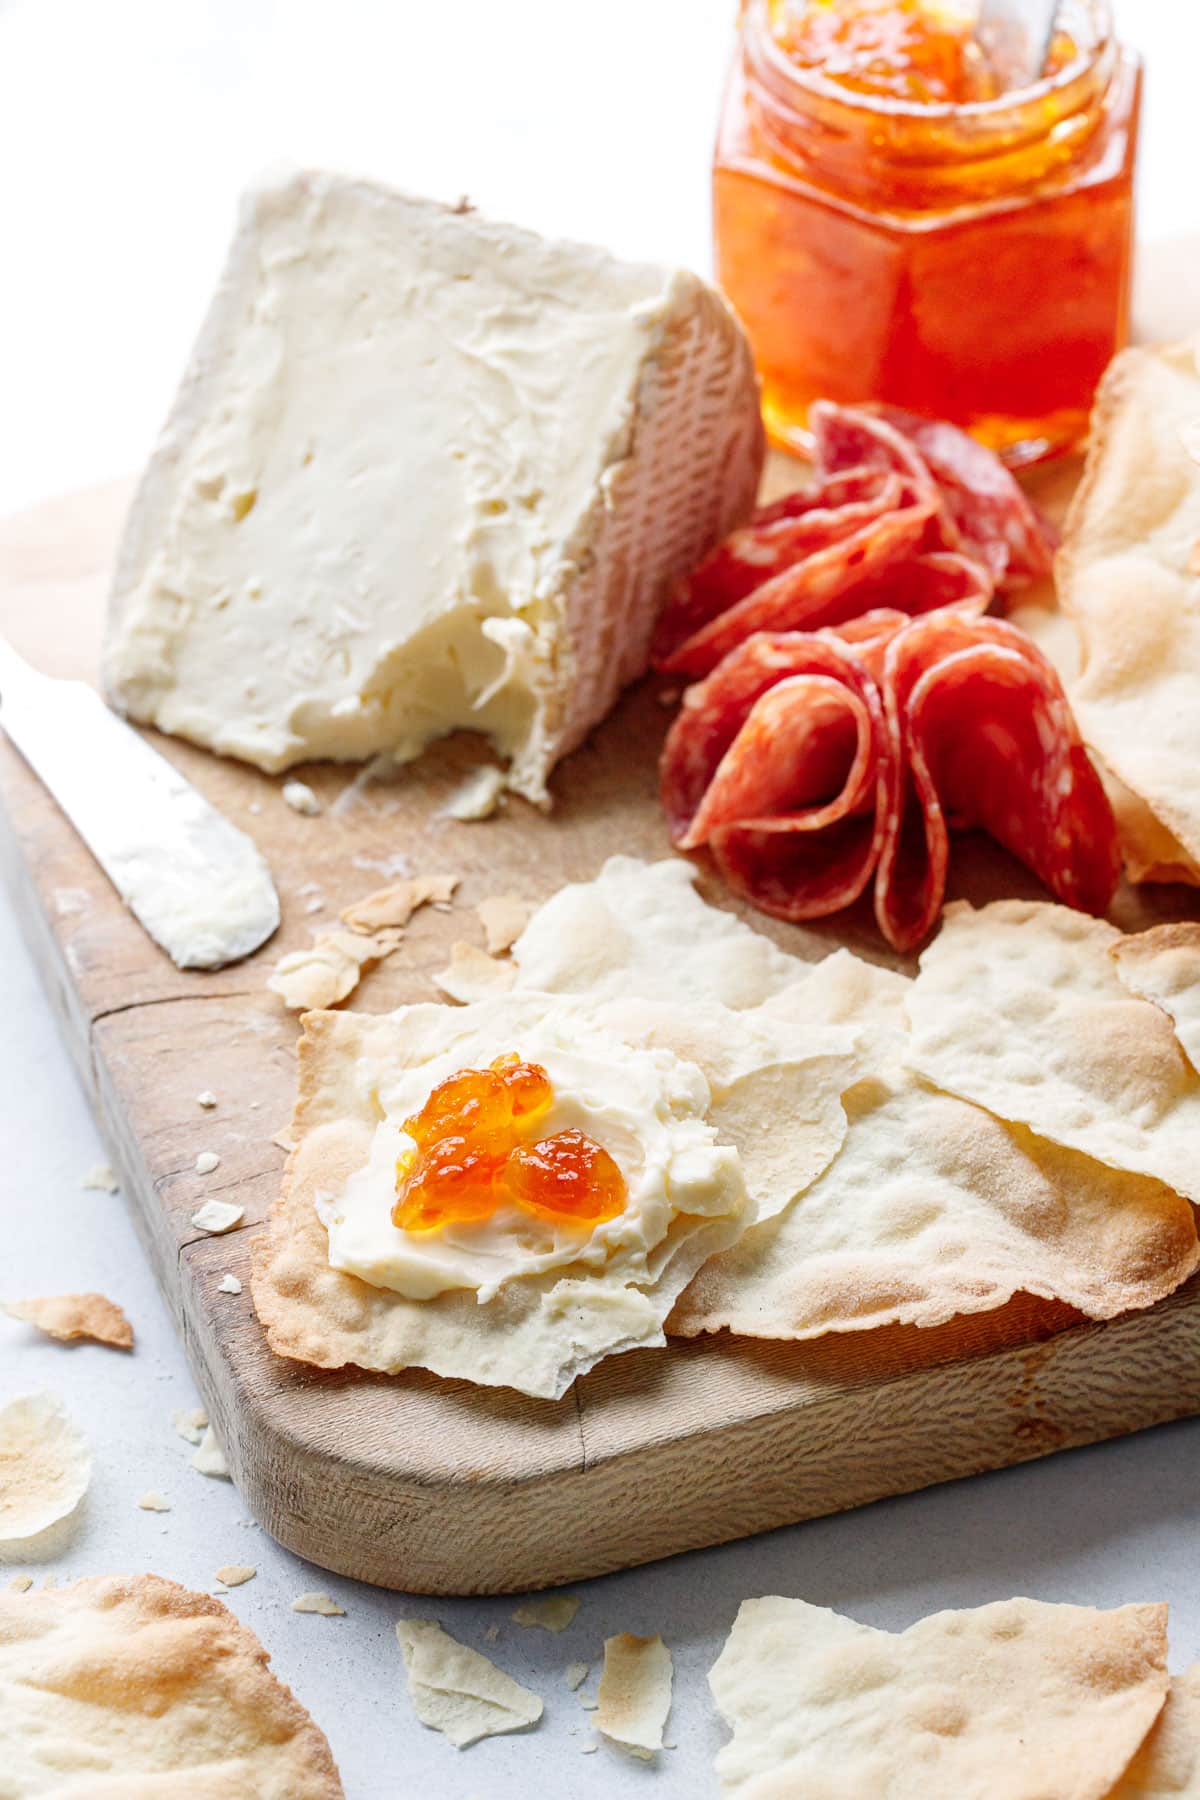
<point>895,496</point>
<point>810,763</point>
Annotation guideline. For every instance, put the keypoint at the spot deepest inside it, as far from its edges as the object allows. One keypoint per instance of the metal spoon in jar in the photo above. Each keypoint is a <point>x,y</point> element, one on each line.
<point>1019,33</point>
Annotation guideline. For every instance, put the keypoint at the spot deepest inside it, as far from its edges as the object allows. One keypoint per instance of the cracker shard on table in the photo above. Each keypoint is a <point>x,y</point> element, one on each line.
<point>133,1684</point>
<point>634,1696</point>
<point>217,1216</point>
<point>304,356</point>
<point>1011,1700</point>
<point>209,1458</point>
<point>45,1465</point>
<point>503,917</point>
<point>395,905</point>
<point>69,1317</point>
<point>471,974</point>
<point>458,1691</point>
<point>323,1604</point>
<point>549,1612</point>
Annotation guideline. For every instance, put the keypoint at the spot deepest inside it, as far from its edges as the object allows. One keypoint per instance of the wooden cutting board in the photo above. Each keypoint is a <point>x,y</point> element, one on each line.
<point>441,1487</point>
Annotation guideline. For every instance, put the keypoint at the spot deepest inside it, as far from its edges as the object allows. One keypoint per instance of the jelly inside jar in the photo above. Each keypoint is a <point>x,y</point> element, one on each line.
<point>475,1148</point>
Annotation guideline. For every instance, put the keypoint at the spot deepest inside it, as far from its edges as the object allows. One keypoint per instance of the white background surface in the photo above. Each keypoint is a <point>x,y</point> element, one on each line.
<point>126,129</point>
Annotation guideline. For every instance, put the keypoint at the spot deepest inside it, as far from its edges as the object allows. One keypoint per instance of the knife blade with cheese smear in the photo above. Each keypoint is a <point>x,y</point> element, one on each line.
<point>196,883</point>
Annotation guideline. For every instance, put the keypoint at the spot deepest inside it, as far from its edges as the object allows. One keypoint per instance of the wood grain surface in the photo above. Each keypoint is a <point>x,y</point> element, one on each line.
<point>436,1486</point>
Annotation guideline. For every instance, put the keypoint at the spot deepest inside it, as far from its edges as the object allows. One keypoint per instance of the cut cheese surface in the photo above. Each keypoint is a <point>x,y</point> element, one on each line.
<point>424,472</point>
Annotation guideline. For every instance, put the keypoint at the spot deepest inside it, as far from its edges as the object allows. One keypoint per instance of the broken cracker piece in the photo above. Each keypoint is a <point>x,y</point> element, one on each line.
<point>575,1674</point>
<point>206,1162</point>
<point>458,1691</point>
<point>474,975</point>
<point>45,1465</point>
<point>1167,1766</point>
<point>330,969</point>
<point>20,1584</point>
<point>1008,1700</point>
<point>68,1317</point>
<point>504,917</point>
<point>395,905</point>
<point>191,1423</point>
<point>229,1284</point>
<point>634,1696</point>
<point>153,1501</point>
<point>550,1612</point>
<point>1163,965</point>
<point>216,1216</point>
<point>101,1177</point>
<point>318,1603</point>
<point>127,1685</point>
<point>234,1574</point>
<point>210,1458</point>
<point>207,1099</point>
<point>477,797</point>
<point>300,797</point>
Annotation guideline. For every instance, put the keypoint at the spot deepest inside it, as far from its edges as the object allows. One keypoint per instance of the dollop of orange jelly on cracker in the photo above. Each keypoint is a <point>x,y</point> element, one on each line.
<point>477,1149</point>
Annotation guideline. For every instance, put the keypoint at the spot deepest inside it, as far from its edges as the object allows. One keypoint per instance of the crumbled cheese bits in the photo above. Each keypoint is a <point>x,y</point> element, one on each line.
<point>1013,1701</point>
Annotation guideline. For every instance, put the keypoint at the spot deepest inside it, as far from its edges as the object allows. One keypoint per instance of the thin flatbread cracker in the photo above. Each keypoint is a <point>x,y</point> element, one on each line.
<point>641,930</point>
<point>127,1687</point>
<point>1019,1008</point>
<point>1015,1701</point>
<point>1129,575</point>
<point>935,1208</point>
<point>69,1317</point>
<point>1163,965</point>
<point>458,1691</point>
<point>330,969</point>
<point>538,1332</point>
<point>1167,1767</point>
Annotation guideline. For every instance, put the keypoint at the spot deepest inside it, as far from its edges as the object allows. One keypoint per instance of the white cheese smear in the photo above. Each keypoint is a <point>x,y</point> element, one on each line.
<point>645,1107</point>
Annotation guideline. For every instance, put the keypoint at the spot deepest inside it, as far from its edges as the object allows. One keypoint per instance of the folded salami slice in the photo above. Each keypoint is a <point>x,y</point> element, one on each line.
<point>779,763</point>
<point>807,763</point>
<point>993,520</point>
<point>986,739</point>
<point>822,588</point>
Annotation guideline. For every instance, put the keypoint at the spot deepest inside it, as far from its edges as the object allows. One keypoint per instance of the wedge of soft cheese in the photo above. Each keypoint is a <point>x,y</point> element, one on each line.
<point>424,472</point>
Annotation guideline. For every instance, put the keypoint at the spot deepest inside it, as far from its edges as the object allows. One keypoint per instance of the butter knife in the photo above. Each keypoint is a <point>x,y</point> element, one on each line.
<point>198,885</point>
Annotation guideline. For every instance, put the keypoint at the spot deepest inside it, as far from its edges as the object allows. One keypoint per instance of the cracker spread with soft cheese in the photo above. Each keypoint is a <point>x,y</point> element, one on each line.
<point>424,472</point>
<point>518,1299</point>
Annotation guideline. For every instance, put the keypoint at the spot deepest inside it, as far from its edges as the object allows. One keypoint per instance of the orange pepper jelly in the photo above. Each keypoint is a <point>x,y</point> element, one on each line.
<point>476,1149</point>
<point>896,220</point>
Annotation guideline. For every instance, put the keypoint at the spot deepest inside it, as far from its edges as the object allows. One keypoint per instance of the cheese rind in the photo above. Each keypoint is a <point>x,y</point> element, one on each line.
<point>424,472</point>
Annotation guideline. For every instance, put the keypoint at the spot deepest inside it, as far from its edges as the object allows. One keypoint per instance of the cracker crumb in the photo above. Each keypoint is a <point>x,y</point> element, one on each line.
<point>153,1501</point>
<point>101,1177</point>
<point>191,1423</point>
<point>550,1612</point>
<point>471,973</point>
<point>206,1099</point>
<point>210,1458</point>
<point>216,1216</point>
<point>300,797</point>
<point>477,797</point>
<point>504,917</point>
<point>575,1674</point>
<point>207,1161</point>
<point>234,1574</point>
<point>588,1749</point>
<point>492,1633</point>
<point>229,1284</point>
<point>20,1584</point>
<point>318,1603</point>
<point>315,905</point>
<point>395,905</point>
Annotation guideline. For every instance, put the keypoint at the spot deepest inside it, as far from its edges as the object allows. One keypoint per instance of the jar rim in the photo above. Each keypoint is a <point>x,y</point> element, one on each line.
<point>813,84</point>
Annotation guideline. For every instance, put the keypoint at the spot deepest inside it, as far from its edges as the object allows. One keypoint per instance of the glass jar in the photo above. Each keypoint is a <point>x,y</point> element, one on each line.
<point>969,262</point>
